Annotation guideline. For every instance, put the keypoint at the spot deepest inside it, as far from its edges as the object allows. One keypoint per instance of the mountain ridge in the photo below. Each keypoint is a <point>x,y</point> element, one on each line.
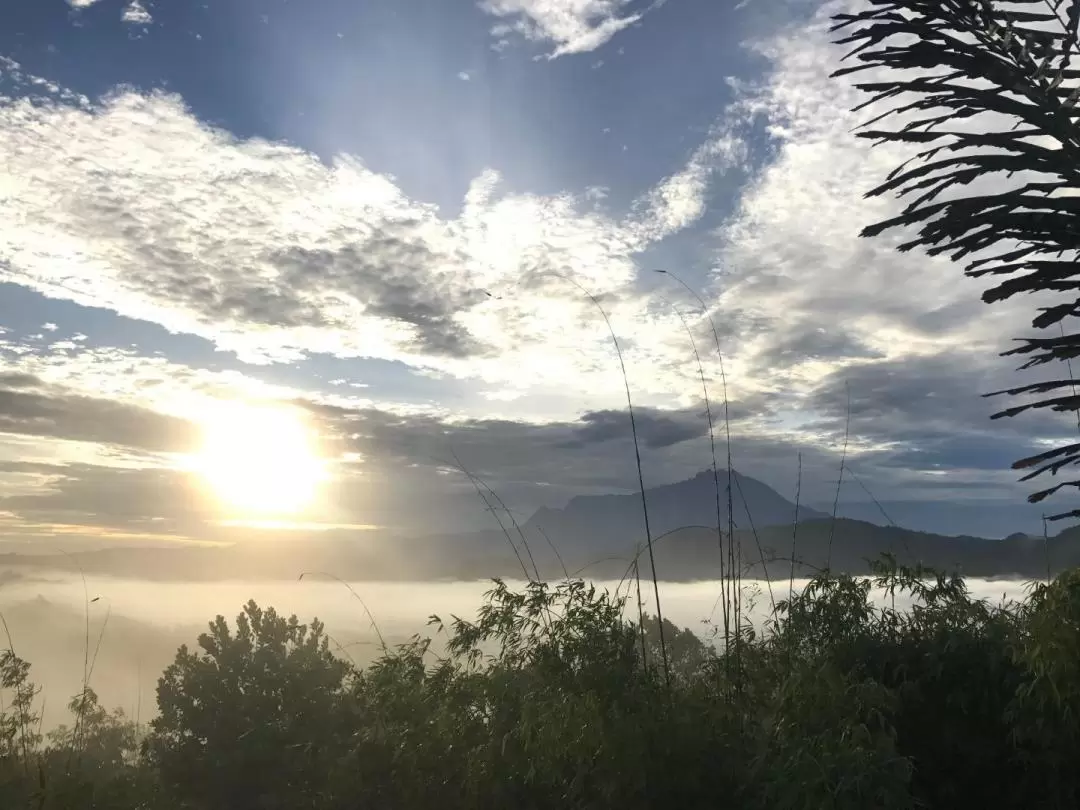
<point>595,536</point>
<point>608,521</point>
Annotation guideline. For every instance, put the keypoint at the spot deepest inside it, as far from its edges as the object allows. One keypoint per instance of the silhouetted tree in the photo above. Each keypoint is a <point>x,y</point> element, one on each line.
<point>251,721</point>
<point>991,89</point>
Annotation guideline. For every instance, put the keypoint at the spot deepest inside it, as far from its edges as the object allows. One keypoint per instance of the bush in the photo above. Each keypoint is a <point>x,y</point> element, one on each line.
<point>546,701</point>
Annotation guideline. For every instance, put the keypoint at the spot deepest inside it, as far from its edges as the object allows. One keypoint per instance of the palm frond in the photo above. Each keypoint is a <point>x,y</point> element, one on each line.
<point>1005,69</point>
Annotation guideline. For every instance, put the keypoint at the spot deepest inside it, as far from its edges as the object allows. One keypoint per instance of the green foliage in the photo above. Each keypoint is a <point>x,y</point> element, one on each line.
<point>251,720</point>
<point>544,701</point>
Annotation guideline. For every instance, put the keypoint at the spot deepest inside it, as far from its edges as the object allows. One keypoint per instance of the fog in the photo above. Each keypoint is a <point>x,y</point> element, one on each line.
<point>136,626</point>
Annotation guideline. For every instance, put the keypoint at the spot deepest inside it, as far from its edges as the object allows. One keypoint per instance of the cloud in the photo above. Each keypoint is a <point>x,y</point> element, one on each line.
<point>572,26</point>
<point>160,238</point>
<point>117,498</point>
<point>136,14</point>
<point>805,300</point>
<point>272,254</point>
<point>792,252</point>
<point>907,419</point>
<point>681,199</point>
<point>30,407</point>
<point>654,429</point>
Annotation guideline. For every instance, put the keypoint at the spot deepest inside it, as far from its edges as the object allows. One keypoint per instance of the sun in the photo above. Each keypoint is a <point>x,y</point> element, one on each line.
<point>259,460</point>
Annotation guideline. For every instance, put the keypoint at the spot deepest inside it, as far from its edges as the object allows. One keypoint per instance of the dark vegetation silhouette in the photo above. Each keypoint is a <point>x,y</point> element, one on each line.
<point>552,698</point>
<point>991,90</point>
<point>543,701</point>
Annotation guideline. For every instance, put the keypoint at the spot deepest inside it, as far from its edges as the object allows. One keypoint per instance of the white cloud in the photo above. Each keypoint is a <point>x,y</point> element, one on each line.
<point>464,76</point>
<point>81,3</point>
<point>681,199</point>
<point>270,253</point>
<point>572,26</point>
<point>811,296</point>
<point>136,14</point>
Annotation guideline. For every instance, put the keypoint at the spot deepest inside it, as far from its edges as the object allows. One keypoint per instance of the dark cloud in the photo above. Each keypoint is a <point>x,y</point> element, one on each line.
<point>115,497</point>
<point>885,398</point>
<point>546,464</point>
<point>806,342</point>
<point>29,407</point>
<point>404,478</point>
<point>655,429</point>
<point>390,274</point>
<point>957,452</point>
<point>18,380</point>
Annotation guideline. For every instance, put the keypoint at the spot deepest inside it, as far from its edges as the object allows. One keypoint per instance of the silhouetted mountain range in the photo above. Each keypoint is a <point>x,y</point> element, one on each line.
<point>611,522</point>
<point>973,518</point>
<point>596,536</point>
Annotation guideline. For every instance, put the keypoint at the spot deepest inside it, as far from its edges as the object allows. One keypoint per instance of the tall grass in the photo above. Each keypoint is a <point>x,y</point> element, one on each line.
<point>352,591</point>
<point>640,474</point>
<point>735,559</point>
<point>795,528</point>
<point>715,470</point>
<point>491,501</point>
<point>840,479</point>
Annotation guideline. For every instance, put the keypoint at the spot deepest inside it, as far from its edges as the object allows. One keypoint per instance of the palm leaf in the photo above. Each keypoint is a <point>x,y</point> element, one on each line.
<point>935,62</point>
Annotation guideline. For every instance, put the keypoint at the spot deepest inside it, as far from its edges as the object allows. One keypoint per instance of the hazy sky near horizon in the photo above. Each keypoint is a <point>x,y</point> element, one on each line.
<point>376,211</point>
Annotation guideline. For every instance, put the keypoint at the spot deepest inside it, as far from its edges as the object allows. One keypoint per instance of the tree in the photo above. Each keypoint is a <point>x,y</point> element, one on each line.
<point>255,719</point>
<point>990,89</point>
<point>94,762</point>
<point>102,740</point>
<point>18,727</point>
<point>18,723</point>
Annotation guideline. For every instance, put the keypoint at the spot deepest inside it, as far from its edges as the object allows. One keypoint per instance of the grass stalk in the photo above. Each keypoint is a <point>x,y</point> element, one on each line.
<point>356,596</point>
<point>79,714</point>
<point>734,544</point>
<point>490,507</point>
<point>840,480</point>
<point>555,551</point>
<point>640,474</point>
<point>715,470</point>
<point>757,542</point>
<point>513,521</point>
<point>795,530</point>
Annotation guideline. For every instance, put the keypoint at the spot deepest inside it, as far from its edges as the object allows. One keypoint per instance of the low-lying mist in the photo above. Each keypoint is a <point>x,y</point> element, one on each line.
<point>136,626</point>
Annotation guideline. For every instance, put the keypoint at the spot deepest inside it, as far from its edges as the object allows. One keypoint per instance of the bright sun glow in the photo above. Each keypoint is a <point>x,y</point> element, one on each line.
<point>260,460</point>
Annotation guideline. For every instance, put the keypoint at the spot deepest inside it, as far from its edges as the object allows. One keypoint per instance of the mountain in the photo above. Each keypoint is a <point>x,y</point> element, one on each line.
<point>684,555</point>
<point>596,537</point>
<point>849,546</point>
<point>974,518</point>
<point>687,554</point>
<point>611,522</point>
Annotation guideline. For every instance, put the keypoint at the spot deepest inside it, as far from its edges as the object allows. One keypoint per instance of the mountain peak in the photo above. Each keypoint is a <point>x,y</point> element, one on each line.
<point>616,520</point>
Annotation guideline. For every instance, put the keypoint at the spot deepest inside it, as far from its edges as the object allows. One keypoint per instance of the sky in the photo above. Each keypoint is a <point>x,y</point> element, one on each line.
<point>354,243</point>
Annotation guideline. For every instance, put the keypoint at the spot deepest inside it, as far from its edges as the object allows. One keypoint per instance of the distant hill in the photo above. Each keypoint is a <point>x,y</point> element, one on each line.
<point>611,522</point>
<point>596,536</point>
<point>692,553</point>
<point>990,518</point>
<point>687,554</point>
